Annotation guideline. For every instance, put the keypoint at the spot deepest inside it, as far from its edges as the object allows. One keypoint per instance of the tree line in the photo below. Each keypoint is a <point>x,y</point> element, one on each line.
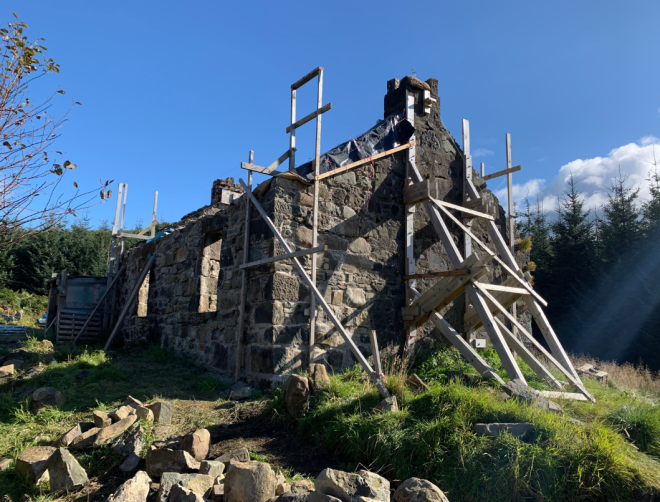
<point>600,273</point>
<point>77,248</point>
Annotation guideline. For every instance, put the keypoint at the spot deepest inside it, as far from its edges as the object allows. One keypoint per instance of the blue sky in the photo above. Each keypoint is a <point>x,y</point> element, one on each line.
<point>175,94</point>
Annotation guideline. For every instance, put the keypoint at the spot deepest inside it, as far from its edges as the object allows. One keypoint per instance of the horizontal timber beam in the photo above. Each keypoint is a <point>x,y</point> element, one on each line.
<point>430,275</point>
<point>306,78</point>
<point>420,191</point>
<point>359,163</point>
<point>258,169</point>
<point>295,254</point>
<point>309,117</point>
<point>462,209</point>
<point>502,173</point>
<point>134,236</point>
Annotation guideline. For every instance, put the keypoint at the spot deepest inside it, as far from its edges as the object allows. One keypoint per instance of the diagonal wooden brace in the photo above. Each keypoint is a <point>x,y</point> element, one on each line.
<point>464,348</point>
<point>319,297</point>
<point>575,382</point>
<point>527,356</point>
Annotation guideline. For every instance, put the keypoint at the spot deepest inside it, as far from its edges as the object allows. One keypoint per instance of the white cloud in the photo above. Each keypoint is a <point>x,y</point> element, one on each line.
<point>593,176</point>
<point>483,152</point>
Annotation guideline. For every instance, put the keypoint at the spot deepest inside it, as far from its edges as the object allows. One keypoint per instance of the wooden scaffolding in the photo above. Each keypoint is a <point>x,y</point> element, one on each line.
<point>484,301</point>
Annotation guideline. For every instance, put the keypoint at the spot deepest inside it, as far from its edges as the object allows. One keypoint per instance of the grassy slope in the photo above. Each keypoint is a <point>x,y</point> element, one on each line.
<point>431,437</point>
<point>147,374</point>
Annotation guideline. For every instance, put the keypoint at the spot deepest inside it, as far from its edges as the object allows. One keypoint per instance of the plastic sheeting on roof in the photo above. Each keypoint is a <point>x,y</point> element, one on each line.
<point>387,134</point>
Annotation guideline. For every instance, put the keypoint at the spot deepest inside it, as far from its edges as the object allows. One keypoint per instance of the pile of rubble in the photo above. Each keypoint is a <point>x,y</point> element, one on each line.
<point>250,481</point>
<point>120,429</point>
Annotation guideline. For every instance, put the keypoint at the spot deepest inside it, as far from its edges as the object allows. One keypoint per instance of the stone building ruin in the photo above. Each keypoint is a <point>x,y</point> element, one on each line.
<point>190,299</point>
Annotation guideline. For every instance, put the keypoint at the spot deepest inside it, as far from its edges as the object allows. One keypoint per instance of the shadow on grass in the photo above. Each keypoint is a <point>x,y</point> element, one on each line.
<point>145,372</point>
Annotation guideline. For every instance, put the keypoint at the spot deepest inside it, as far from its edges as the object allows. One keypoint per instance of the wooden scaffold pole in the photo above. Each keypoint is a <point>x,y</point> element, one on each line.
<point>244,272</point>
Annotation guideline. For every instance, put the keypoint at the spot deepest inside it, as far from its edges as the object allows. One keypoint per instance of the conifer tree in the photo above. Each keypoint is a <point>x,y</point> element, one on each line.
<point>575,263</point>
<point>651,208</point>
<point>621,227</point>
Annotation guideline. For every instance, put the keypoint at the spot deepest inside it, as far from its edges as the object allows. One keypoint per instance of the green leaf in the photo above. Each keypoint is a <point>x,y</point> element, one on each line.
<point>75,184</point>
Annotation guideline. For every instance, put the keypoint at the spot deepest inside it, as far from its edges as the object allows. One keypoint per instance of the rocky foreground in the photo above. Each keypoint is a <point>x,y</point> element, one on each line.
<point>177,468</point>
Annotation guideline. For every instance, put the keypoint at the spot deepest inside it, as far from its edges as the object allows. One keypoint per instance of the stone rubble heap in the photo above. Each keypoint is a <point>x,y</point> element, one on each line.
<point>120,429</point>
<point>251,481</point>
<point>178,468</point>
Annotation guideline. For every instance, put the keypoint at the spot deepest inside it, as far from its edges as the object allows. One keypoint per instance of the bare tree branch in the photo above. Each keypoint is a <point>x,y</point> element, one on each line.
<point>31,171</point>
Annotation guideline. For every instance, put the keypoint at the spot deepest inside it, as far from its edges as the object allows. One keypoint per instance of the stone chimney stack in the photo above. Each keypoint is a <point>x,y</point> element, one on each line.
<point>426,96</point>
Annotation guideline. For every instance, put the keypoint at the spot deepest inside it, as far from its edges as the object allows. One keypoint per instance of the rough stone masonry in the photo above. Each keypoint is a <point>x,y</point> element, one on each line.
<point>190,299</point>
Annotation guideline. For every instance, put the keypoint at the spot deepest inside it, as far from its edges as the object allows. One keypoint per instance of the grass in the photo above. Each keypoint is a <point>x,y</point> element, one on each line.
<point>146,373</point>
<point>609,453</point>
<point>432,436</point>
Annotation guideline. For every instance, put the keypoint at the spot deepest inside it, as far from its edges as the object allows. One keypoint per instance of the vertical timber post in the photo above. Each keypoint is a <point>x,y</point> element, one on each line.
<point>467,176</point>
<point>292,136</point>
<point>411,330</point>
<point>246,258</point>
<point>315,234</point>
<point>511,219</point>
<point>153,217</point>
<point>483,170</point>
<point>112,269</point>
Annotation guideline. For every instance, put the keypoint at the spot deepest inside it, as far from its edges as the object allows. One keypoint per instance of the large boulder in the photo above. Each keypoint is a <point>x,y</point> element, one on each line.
<point>520,430</point>
<point>181,494</point>
<point>419,490</point>
<point>162,412</point>
<point>67,438</point>
<point>238,455</point>
<point>130,442</point>
<point>521,391</point>
<point>135,489</point>
<point>109,433</point>
<point>145,413</point>
<point>32,463</point>
<point>121,413</point>
<point>296,395</point>
<point>388,404</point>
<point>131,464</point>
<point>213,468</point>
<point>318,376</point>
<point>6,371</point>
<point>166,460</point>
<point>201,484</point>
<point>46,396</point>
<point>321,497</point>
<point>290,497</point>
<point>350,487</point>
<point>132,402</point>
<point>65,472</point>
<point>101,419</point>
<point>197,443</point>
<point>249,482</point>
<point>85,439</point>
<point>302,486</point>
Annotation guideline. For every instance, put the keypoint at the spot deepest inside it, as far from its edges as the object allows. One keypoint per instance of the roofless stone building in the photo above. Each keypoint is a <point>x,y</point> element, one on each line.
<point>412,244</point>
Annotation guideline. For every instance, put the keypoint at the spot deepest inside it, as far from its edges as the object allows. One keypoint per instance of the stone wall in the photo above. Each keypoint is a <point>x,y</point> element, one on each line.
<point>192,298</point>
